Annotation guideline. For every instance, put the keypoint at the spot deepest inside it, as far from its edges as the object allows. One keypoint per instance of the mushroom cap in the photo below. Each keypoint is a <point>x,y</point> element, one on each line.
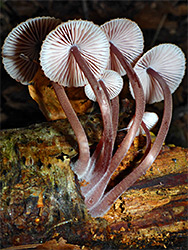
<point>23,45</point>
<point>149,118</point>
<point>113,82</point>
<point>166,59</point>
<point>127,37</point>
<point>59,64</point>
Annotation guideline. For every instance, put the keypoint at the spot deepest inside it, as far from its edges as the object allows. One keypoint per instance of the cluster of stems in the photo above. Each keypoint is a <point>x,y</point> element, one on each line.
<point>96,169</point>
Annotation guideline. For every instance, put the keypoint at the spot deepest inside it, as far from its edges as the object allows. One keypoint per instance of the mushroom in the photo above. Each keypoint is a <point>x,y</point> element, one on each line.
<point>112,83</point>
<point>21,48</point>
<point>126,45</point>
<point>21,60</point>
<point>161,68</point>
<point>150,119</point>
<point>74,54</point>
<point>172,71</point>
<point>125,35</point>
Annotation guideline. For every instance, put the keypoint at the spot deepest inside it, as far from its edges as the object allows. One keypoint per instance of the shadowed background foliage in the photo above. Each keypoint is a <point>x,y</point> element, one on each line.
<point>160,21</point>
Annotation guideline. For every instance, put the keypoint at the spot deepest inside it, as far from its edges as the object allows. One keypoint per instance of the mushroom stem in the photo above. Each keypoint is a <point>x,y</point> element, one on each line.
<point>103,102</point>
<point>89,177</point>
<point>115,114</point>
<point>128,181</point>
<point>140,107</point>
<point>84,151</point>
<point>114,105</point>
<point>148,140</point>
<point>95,171</point>
<point>93,197</point>
<point>102,184</point>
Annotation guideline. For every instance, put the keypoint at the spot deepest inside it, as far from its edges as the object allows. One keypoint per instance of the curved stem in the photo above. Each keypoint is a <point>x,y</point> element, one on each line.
<point>94,176</point>
<point>93,197</point>
<point>97,156</point>
<point>103,104</point>
<point>84,152</point>
<point>115,114</point>
<point>114,105</point>
<point>128,181</point>
<point>148,140</point>
<point>102,183</point>
<point>140,108</point>
<point>97,171</point>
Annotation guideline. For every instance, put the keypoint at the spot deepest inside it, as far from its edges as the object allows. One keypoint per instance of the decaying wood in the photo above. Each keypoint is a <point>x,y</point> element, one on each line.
<point>41,200</point>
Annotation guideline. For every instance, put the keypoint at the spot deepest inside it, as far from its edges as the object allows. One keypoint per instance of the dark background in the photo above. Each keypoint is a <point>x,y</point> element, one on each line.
<point>160,21</point>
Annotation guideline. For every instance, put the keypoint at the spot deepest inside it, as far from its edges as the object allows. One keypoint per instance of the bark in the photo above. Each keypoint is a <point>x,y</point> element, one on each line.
<point>41,200</point>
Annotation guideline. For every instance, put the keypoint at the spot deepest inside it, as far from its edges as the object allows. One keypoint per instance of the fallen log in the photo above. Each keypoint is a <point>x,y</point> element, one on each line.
<point>41,200</point>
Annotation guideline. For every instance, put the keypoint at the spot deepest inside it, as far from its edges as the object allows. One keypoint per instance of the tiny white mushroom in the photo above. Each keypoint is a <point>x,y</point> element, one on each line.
<point>149,118</point>
<point>113,83</point>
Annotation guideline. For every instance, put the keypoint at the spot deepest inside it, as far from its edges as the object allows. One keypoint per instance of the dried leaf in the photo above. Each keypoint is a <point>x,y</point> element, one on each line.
<point>43,93</point>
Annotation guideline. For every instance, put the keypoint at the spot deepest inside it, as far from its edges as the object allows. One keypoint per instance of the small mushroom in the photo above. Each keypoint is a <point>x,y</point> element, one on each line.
<point>150,119</point>
<point>126,45</point>
<point>168,76</point>
<point>21,48</point>
<point>74,54</point>
<point>112,83</point>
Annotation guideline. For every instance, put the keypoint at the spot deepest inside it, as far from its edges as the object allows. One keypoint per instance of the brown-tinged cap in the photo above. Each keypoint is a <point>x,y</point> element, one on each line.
<point>168,61</point>
<point>22,46</point>
<point>59,64</point>
<point>127,37</point>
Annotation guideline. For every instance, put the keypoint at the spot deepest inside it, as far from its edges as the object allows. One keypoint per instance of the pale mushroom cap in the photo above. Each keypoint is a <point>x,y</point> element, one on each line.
<point>166,59</point>
<point>58,62</point>
<point>113,83</point>
<point>25,41</point>
<point>127,37</point>
<point>149,118</point>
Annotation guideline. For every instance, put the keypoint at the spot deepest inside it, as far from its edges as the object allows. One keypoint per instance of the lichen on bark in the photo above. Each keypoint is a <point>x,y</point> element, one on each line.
<point>38,186</point>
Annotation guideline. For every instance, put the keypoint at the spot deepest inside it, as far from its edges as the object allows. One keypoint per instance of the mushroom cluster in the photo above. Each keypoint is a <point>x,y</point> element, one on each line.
<point>81,54</point>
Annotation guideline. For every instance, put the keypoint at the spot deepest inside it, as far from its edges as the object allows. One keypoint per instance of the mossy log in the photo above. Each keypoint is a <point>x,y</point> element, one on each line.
<point>41,200</point>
